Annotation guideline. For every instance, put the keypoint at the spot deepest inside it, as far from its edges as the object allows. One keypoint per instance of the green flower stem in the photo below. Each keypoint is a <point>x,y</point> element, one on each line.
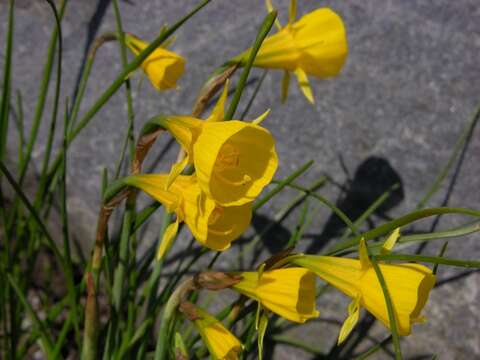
<point>40,106</point>
<point>262,34</point>
<point>46,339</point>
<point>466,133</point>
<point>281,185</point>
<point>7,77</point>
<point>53,122</point>
<point>106,37</point>
<point>282,339</point>
<point>330,205</point>
<point>430,259</point>
<point>391,311</point>
<point>91,331</point>
<point>169,310</point>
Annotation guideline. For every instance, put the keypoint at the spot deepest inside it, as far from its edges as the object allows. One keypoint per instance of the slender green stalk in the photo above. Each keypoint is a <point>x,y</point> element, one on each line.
<point>51,133</point>
<point>72,290</point>
<point>46,339</point>
<point>282,339</point>
<point>33,212</point>
<point>374,349</point>
<point>440,254</point>
<point>329,204</point>
<point>161,349</point>
<point>391,311</point>
<point>21,128</point>
<point>399,222</point>
<point>254,95</point>
<point>370,210</point>
<point>262,34</point>
<point>430,259</point>
<point>129,139</point>
<point>7,76</point>
<point>466,133</point>
<point>281,185</point>
<point>300,227</point>
<point>42,96</point>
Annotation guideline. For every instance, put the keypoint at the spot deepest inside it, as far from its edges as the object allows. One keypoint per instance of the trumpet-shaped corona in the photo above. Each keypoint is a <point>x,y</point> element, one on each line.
<point>233,160</point>
<point>408,285</point>
<point>289,293</point>
<point>163,67</point>
<point>214,226</point>
<point>314,45</point>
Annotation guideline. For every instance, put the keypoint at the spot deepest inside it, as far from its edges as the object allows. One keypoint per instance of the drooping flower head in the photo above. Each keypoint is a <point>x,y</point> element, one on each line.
<point>289,292</point>
<point>233,160</point>
<point>220,342</point>
<point>214,226</point>
<point>314,45</point>
<point>408,285</point>
<point>163,67</point>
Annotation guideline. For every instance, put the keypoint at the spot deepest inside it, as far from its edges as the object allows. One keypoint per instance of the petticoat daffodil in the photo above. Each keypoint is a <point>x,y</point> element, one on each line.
<point>214,226</point>
<point>289,292</point>
<point>408,285</point>
<point>163,67</point>
<point>314,45</point>
<point>233,160</point>
<point>221,343</point>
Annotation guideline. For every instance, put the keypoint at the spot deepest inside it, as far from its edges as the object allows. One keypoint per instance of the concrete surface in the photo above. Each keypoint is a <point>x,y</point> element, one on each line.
<point>410,84</point>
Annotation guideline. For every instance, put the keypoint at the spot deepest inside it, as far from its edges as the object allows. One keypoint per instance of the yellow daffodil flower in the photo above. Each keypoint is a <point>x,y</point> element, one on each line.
<point>163,67</point>
<point>314,45</point>
<point>408,285</point>
<point>289,293</point>
<point>214,226</point>
<point>233,160</point>
<point>221,343</point>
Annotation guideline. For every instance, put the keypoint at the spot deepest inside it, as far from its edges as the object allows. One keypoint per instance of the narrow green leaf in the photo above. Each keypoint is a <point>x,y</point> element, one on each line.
<point>281,185</point>
<point>262,34</point>
<point>430,259</point>
<point>466,133</point>
<point>399,222</point>
<point>46,339</point>
<point>391,311</point>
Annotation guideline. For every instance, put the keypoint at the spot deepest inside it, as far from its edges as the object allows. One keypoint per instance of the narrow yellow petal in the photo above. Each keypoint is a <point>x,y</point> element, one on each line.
<point>167,239</point>
<point>154,185</point>
<point>176,170</point>
<point>285,85</point>
<point>304,85</point>
<point>262,117</point>
<point>218,112</point>
<point>390,242</point>
<point>350,321</point>
<point>363,255</point>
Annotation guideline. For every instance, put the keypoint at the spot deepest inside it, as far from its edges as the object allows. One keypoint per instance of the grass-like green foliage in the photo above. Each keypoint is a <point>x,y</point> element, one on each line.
<point>138,319</point>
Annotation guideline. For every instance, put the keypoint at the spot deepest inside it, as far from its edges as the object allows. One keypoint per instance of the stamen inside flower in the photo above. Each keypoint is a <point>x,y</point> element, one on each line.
<point>228,159</point>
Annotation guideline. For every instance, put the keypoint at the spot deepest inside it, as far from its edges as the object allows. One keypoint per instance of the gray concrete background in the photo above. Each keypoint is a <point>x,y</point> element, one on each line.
<point>409,86</point>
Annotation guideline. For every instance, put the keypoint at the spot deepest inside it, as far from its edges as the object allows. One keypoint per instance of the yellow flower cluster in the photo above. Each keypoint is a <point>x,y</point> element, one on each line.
<point>234,160</point>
